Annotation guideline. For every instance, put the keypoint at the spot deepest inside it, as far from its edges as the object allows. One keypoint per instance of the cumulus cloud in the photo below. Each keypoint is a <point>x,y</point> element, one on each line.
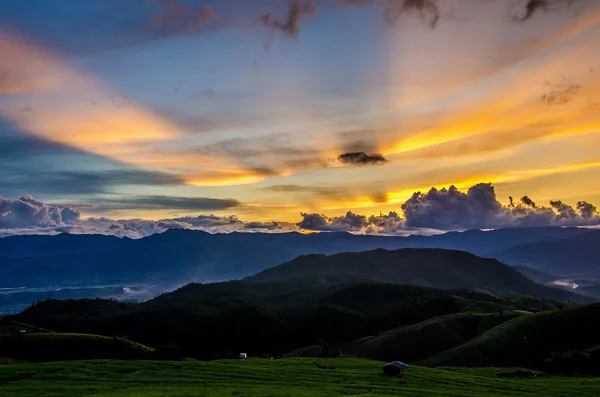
<point>361,158</point>
<point>424,213</point>
<point>450,208</point>
<point>28,212</point>
<point>348,222</point>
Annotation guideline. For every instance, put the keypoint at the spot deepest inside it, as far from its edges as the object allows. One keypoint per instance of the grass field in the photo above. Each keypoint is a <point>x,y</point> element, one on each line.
<point>59,346</point>
<point>256,377</point>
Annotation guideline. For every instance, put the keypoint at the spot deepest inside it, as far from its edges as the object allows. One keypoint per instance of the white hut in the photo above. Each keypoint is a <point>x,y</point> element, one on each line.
<point>243,356</point>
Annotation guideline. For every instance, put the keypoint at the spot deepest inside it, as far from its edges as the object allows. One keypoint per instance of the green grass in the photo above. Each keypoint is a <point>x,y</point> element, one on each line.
<point>60,346</point>
<point>256,377</point>
<point>427,338</point>
<point>527,341</point>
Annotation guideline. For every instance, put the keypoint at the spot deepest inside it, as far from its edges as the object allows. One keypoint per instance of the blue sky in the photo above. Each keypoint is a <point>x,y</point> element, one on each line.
<point>107,103</point>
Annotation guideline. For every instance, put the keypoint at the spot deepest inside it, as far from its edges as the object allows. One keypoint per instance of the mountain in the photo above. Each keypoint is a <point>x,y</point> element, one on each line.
<point>574,256</point>
<point>208,320</point>
<point>436,268</point>
<point>38,267</point>
<point>537,341</point>
<point>83,260</point>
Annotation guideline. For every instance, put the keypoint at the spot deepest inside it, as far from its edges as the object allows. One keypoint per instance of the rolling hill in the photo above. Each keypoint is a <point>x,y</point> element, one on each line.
<point>528,341</point>
<point>427,338</point>
<point>41,347</point>
<point>436,268</point>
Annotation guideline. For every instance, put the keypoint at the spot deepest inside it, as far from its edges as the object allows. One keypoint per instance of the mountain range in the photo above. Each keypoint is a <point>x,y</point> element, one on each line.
<point>176,257</point>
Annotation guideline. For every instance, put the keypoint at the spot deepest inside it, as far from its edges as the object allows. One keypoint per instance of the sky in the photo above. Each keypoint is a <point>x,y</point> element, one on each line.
<point>127,117</point>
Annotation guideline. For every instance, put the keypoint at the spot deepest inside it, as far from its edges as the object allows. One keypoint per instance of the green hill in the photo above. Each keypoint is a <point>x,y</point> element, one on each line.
<point>59,346</point>
<point>288,377</point>
<point>208,320</point>
<point>427,338</point>
<point>529,341</point>
<point>435,268</point>
<point>8,327</point>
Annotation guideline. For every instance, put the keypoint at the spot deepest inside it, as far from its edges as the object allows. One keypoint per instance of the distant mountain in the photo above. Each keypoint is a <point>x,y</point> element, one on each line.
<point>179,256</point>
<point>436,268</point>
<point>575,256</point>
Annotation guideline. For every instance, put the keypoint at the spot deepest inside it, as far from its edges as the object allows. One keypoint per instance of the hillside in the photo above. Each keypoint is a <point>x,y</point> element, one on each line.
<point>529,341</point>
<point>436,268</point>
<point>289,377</point>
<point>208,320</point>
<point>566,257</point>
<point>427,338</point>
<point>40,347</point>
<point>84,260</point>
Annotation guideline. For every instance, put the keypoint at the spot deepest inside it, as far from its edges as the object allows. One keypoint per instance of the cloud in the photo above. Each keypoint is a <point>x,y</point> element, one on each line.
<point>170,16</point>
<point>348,222</point>
<point>559,93</point>
<point>424,213</point>
<point>289,26</point>
<point>449,209</point>
<point>27,212</point>
<point>533,7</point>
<point>586,210</point>
<point>168,202</point>
<point>361,158</point>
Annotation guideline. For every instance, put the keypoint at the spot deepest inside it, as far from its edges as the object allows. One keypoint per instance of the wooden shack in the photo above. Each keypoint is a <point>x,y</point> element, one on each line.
<point>395,368</point>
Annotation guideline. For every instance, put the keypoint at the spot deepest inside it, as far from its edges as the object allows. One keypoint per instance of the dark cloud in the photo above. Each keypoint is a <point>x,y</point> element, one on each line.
<point>361,158</point>
<point>167,202</point>
<point>392,223</point>
<point>448,209</point>
<point>586,210</point>
<point>431,212</point>
<point>564,211</point>
<point>319,222</point>
<point>559,92</point>
<point>289,23</point>
<point>528,202</point>
<point>42,167</point>
<point>272,226</point>
<point>169,16</point>
<point>27,212</point>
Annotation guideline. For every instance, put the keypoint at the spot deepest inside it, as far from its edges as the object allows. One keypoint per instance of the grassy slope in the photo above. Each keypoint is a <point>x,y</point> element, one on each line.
<point>58,346</point>
<point>528,340</point>
<point>13,327</point>
<point>297,377</point>
<point>427,338</point>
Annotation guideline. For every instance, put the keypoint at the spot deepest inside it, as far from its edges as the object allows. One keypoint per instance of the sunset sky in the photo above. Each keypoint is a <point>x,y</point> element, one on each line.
<point>161,109</point>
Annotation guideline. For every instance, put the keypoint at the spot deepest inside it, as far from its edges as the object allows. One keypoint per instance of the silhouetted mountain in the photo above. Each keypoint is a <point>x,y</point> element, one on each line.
<point>207,320</point>
<point>436,268</point>
<point>179,256</point>
<point>575,256</point>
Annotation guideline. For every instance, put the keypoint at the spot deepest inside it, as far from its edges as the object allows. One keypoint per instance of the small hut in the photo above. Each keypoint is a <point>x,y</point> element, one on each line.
<point>243,356</point>
<point>395,368</point>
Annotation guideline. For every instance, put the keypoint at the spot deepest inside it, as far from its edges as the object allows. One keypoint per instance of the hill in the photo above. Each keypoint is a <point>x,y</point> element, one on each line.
<point>84,260</point>
<point>436,268</point>
<point>289,377</point>
<point>565,257</point>
<point>40,347</point>
<point>531,341</point>
<point>209,320</point>
<point>427,338</point>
